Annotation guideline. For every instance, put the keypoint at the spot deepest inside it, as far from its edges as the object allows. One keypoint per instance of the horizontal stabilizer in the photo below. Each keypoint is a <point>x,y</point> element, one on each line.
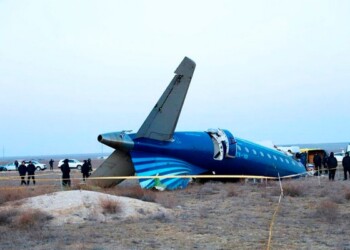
<point>161,122</point>
<point>117,164</point>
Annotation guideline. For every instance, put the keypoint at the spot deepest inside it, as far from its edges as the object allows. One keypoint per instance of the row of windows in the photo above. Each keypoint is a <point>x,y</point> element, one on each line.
<point>263,155</point>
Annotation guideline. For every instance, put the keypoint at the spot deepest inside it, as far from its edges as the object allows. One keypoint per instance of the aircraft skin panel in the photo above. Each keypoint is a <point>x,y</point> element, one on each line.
<point>255,159</point>
<point>153,165</point>
<point>162,120</point>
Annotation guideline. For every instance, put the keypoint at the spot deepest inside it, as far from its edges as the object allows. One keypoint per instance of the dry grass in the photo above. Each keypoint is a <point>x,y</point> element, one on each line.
<point>12,194</point>
<point>6,216</point>
<point>208,188</point>
<point>32,218</point>
<point>135,192</point>
<point>17,193</point>
<point>209,216</point>
<point>347,194</point>
<point>231,190</point>
<point>162,217</point>
<point>77,185</point>
<point>110,206</point>
<point>23,219</point>
<point>328,210</point>
<point>166,200</point>
<point>293,189</point>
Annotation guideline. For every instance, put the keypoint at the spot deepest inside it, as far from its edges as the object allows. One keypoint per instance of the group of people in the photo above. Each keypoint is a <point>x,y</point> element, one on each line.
<point>331,164</point>
<point>86,169</point>
<point>29,169</point>
<point>24,169</point>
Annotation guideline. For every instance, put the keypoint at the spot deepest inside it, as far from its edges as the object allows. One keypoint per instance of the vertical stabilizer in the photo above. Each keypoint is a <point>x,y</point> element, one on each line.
<point>161,122</point>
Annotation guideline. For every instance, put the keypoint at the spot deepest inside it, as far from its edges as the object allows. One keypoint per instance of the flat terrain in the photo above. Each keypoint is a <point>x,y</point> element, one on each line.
<point>313,214</point>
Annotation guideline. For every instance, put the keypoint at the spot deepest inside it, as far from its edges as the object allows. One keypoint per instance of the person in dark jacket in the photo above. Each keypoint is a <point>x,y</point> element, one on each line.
<point>31,172</point>
<point>332,164</point>
<point>22,170</point>
<point>324,162</point>
<point>90,165</point>
<point>51,164</point>
<point>65,169</point>
<point>346,165</point>
<point>85,169</point>
<point>317,161</point>
<point>16,164</point>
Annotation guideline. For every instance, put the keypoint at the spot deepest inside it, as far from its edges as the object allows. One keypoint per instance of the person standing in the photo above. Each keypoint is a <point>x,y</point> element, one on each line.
<point>65,173</point>
<point>22,170</point>
<point>85,169</point>
<point>89,164</point>
<point>332,166</point>
<point>346,165</point>
<point>51,164</point>
<point>16,164</point>
<point>317,161</point>
<point>324,162</point>
<point>31,172</point>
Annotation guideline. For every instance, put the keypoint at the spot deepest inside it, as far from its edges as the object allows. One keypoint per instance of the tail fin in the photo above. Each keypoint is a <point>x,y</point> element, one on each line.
<point>161,122</point>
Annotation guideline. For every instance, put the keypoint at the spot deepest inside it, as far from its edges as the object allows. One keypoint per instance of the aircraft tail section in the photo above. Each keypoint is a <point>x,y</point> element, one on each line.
<point>161,122</point>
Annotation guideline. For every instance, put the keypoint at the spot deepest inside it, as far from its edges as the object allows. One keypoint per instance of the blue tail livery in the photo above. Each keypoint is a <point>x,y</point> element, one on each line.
<point>157,150</point>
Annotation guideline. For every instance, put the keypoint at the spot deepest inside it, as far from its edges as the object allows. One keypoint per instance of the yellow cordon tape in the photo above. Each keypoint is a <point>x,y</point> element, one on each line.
<point>274,215</point>
<point>164,177</point>
<point>273,222</point>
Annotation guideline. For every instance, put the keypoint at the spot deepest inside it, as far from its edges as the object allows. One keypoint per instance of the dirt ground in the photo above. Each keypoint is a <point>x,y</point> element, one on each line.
<point>313,214</point>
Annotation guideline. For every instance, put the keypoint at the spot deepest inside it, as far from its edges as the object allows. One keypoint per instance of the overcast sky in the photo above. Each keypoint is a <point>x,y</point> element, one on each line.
<point>266,70</point>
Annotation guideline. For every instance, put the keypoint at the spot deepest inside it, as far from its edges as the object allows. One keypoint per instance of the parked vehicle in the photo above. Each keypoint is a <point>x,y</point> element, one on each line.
<point>12,167</point>
<point>340,155</point>
<point>38,165</point>
<point>8,167</point>
<point>73,163</point>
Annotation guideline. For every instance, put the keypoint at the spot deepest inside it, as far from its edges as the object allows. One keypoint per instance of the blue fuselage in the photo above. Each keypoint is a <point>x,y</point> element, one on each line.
<point>242,158</point>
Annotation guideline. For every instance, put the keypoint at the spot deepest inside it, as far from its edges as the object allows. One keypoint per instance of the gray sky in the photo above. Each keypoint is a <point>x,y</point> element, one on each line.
<point>266,70</point>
